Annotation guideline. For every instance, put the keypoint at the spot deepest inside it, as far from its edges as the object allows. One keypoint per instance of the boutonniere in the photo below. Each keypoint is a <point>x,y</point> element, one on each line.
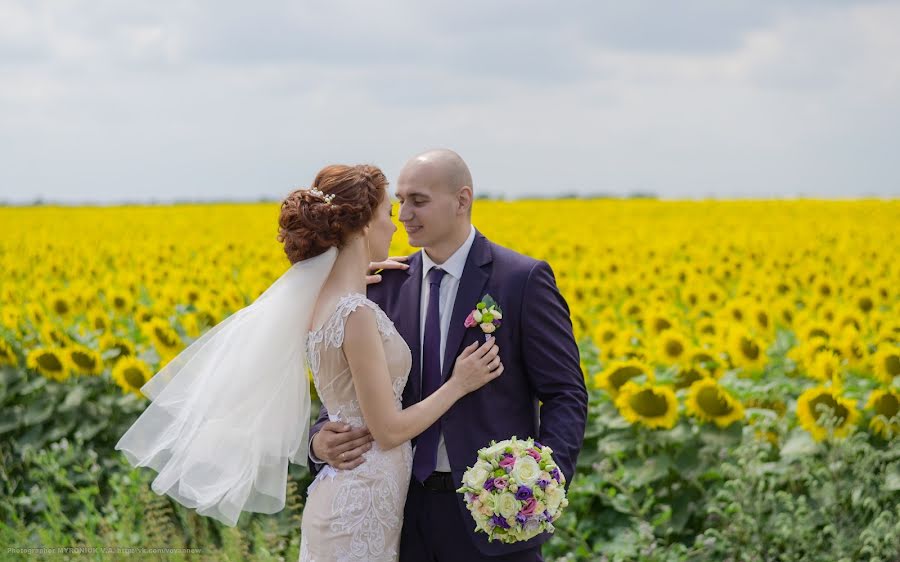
<point>487,315</point>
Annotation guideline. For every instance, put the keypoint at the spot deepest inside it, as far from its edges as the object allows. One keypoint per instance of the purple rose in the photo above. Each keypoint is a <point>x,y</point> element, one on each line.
<point>523,493</point>
<point>496,323</point>
<point>542,484</point>
<point>489,485</point>
<point>555,474</point>
<point>499,522</point>
<point>521,519</point>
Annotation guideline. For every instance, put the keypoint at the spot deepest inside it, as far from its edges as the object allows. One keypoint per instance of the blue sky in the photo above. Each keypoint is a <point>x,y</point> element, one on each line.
<point>106,101</point>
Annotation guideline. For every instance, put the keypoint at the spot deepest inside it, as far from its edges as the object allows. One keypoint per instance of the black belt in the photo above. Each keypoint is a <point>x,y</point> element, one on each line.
<point>440,482</point>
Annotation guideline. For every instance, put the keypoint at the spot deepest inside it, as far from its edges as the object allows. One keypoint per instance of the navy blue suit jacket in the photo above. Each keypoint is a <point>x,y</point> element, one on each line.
<point>541,392</point>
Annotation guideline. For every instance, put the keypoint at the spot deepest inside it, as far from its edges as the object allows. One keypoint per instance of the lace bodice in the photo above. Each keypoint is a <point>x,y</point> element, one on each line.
<point>330,370</point>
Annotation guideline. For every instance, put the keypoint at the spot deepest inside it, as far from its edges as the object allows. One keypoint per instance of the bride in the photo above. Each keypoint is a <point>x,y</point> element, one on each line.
<point>230,411</point>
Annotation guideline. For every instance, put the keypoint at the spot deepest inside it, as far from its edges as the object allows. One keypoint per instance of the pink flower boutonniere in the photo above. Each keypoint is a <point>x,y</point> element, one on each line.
<point>487,315</point>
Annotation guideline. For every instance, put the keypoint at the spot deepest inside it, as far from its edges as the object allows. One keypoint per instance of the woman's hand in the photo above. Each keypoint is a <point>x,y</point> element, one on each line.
<point>476,366</point>
<point>377,267</point>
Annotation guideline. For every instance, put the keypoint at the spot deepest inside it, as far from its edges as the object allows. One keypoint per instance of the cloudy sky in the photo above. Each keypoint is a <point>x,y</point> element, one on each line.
<point>107,101</point>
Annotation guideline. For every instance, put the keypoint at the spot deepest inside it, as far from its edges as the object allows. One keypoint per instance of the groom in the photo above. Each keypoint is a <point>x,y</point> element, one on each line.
<point>541,393</point>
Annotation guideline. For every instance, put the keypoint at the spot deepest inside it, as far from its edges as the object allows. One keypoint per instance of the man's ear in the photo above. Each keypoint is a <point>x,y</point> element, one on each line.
<point>464,199</point>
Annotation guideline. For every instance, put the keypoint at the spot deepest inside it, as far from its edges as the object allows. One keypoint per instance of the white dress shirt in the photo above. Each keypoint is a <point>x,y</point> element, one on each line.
<point>449,285</point>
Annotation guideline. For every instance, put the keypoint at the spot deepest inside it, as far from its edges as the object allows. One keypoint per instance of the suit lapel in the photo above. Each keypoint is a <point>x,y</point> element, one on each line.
<point>471,285</point>
<point>410,304</point>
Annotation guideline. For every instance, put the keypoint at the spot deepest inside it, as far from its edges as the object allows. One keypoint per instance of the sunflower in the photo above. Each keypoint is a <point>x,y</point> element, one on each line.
<point>706,327</point>
<point>84,360</point>
<point>745,349</point>
<point>672,347</point>
<point>619,372</point>
<point>709,402</point>
<point>52,362</point>
<point>98,320</point>
<point>885,405</point>
<point>120,301</point>
<point>774,404</point>
<point>887,363</point>
<point>849,318</point>
<point>604,334</point>
<point>123,346</point>
<point>191,324</point>
<point>760,317</point>
<point>35,313</point>
<point>853,348</point>
<point>865,300</point>
<point>704,358</point>
<point>7,354</point>
<point>656,322</point>
<point>686,376</point>
<point>814,329</point>
<point>52,335</point>
<point>164,337</point>
<point>10,318</point>
<point>653,406</point>
<point>809,414</point>
<point>62,306</point>
<point>826,366</point>
<point>130,373</point>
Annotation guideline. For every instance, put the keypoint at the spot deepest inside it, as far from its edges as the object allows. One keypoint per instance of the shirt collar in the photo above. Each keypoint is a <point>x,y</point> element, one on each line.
<point>455,263</point>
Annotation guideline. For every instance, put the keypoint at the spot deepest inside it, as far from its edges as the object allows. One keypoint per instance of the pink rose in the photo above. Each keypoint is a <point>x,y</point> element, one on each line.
<point>528,510</point>
<point>501,482</point>
<point>470,320</point>
<point>508,462</point>
<point>534,454</point>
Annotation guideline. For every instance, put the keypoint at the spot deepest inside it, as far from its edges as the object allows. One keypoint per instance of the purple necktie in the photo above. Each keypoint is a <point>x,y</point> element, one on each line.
<point>427,443</point>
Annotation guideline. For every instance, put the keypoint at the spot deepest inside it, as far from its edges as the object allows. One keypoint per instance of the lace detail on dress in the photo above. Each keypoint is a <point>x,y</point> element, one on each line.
<point>332,331</point>
<point>356,514</point>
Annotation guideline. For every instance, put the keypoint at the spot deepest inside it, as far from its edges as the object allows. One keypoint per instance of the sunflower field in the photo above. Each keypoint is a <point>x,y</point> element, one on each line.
<point>743,359</point>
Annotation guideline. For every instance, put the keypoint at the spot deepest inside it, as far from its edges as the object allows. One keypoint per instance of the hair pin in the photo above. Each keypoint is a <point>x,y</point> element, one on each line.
<point>325,197</point>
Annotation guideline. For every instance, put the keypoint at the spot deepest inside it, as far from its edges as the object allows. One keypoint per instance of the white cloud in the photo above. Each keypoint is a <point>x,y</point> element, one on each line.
<point>108,101</point>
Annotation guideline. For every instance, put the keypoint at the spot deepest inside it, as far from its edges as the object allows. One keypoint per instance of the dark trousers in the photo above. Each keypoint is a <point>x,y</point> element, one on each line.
<point>436,530</point>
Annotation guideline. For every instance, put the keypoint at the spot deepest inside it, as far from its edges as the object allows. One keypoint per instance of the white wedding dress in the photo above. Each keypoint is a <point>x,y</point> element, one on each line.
<point>355,515</point>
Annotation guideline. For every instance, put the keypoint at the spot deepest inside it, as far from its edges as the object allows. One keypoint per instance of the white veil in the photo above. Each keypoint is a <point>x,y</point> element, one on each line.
<point>232,409</point>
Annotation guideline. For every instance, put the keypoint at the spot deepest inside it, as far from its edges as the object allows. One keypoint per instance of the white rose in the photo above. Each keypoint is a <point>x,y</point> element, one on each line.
<point>488,327</point>
<point>494,449</point>
<point>496,314</point>
<point>526,471</point>
<point>476,315</point>
<point>553,498</point>
<point>507,505</point>
<point>475,476</point>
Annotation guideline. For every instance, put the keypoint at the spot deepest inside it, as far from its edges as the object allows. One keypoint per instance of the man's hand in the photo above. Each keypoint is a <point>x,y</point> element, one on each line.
<point>341,446</point>
<point>377,267</point>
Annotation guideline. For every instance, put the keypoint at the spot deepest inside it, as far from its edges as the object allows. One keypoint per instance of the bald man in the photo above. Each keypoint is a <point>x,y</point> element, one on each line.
<point>540,394</point>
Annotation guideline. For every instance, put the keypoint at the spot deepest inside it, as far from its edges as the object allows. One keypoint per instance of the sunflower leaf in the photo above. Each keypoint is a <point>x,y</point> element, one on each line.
<point>37,413</point>
<point>73,399</point>
<point>798,444</point>
<point>892,479</point>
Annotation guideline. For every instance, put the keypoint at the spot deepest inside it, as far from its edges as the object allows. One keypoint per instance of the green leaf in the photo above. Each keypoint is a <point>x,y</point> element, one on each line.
<point>73,399</point>
<point>651,470</point>
<point>37,413</point>
<point>798,444</point>
<point>892,479</point>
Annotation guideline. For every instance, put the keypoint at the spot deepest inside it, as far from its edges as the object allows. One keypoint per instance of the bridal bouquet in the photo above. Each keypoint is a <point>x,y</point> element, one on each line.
<point>515,491</point>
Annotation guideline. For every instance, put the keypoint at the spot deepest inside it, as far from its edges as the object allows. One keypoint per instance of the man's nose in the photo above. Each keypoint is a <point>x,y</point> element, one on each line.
<point>405,214</point>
